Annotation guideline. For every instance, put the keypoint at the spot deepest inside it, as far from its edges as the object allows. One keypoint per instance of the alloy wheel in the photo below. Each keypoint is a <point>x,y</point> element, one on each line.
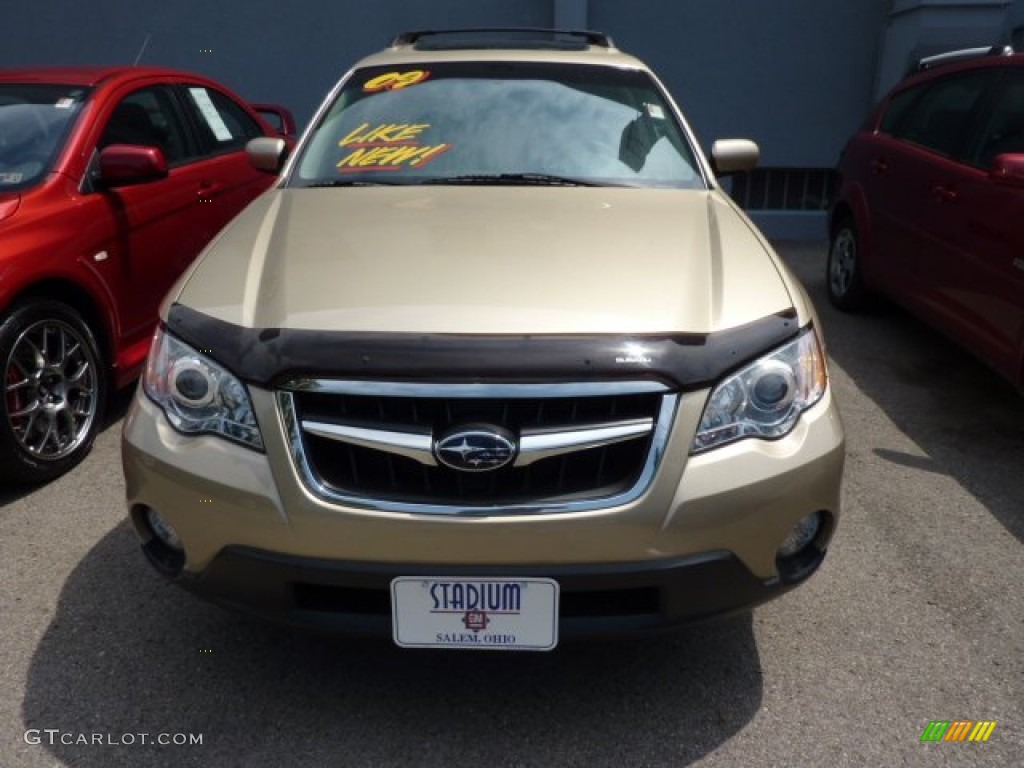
<point>51,389</point>
<point>843,263</point>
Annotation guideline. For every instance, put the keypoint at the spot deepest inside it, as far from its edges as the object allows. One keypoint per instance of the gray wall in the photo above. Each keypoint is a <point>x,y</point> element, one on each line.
<point>919,28</point>
<point>797,76</point>
<point>1014,30</point>
<point>267,50</point>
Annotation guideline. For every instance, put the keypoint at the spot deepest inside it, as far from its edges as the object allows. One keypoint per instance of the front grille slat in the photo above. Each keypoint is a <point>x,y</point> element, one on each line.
<point>371,475</point>
<point>353,464</point>
<point>391,474</point>
<point>561,484</point>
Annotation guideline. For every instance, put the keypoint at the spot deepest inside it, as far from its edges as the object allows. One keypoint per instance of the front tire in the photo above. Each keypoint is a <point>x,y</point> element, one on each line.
<point>55,389</point>
<point>843,277</point>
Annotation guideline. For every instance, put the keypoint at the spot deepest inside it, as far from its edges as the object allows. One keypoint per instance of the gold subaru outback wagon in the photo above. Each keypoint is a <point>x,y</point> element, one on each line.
<point>496,363</point>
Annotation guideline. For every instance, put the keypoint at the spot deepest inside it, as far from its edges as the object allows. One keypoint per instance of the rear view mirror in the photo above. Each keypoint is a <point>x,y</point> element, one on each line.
<point>734,156</point>
<point>638,138</point>
<point>1008,170</point>
<point>124,164</point>
<point>267,154</point>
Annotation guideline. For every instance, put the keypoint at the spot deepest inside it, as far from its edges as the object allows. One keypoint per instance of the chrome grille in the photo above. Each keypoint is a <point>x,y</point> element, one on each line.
<point>582,446</point>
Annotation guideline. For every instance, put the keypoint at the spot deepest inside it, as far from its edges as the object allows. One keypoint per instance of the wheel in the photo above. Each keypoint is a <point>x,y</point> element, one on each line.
<point>845,286</point>
<point>55,388</point>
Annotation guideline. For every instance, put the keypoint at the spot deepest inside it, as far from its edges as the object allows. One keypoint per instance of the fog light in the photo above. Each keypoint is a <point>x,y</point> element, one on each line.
<point>801,535</point>
<point>163,530</point>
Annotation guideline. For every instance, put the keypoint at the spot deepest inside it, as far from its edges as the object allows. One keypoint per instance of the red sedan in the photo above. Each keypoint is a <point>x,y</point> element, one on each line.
<point>111,182</point>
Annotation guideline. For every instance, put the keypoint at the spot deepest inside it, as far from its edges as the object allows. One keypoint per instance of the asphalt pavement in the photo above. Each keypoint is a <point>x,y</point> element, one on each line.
<point>917,615</point>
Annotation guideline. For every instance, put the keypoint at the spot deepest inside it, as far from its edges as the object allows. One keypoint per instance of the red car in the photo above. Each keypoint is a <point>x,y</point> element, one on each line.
<point>111,182</point>
<point>930,210</point>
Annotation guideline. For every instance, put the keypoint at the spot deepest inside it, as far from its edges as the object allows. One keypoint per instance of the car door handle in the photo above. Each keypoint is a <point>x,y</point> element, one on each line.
<point>943,193</point>
<point>208,190</point>
<point>879,166</point>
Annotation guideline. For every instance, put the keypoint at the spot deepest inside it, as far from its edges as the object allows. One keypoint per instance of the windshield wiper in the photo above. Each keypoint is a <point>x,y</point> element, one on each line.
<point>521,179</point>
<point>510,179</point>
<point>355,183</point>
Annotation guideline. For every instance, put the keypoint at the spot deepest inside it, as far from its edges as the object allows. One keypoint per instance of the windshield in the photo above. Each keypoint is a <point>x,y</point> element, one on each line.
<point>500,123</point>
<point>34,122</point>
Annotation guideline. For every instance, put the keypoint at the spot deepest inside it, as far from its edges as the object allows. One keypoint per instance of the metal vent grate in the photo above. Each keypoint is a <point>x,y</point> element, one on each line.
<point>785,189</point>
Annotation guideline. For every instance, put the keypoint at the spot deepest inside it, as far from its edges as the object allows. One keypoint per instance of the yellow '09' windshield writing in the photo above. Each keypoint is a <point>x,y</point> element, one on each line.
<point>393,81</point>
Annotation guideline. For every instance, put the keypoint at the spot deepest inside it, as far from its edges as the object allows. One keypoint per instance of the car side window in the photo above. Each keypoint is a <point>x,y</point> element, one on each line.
<point>896,111</point>
<point>224,124</point>
<point>147,117</point>
<point>1004,130</point>
<point>940,118</point>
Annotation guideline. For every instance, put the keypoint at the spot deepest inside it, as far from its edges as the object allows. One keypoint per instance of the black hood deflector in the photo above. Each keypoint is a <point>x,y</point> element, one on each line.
<point>268,357</point>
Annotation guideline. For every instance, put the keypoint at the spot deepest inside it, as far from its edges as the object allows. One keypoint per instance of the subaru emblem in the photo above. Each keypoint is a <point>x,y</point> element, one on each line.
<point>477,448</point>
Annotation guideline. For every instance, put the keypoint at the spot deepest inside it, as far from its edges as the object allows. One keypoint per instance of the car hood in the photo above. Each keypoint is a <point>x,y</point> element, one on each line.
<point>488,260</point>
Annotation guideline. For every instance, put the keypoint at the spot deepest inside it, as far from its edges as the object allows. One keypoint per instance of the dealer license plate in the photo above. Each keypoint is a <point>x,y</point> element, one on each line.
<point>455,612</point>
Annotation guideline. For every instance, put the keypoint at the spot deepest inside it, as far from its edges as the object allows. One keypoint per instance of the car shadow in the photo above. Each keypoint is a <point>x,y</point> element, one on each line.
<point>965,418</point>
<point>128,653</point>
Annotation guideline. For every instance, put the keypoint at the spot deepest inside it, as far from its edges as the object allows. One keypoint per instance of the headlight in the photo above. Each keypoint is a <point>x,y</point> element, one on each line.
<point>766,398</point>
<point>197,395</point>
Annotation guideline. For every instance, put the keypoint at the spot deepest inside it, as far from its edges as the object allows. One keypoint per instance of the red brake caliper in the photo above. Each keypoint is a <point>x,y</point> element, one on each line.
<point>14,398</point>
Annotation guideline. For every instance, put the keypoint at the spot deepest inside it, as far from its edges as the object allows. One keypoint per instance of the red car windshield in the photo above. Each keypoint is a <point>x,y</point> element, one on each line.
<point>35,120</point>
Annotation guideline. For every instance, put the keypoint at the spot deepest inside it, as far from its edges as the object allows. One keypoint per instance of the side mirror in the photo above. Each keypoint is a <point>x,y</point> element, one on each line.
<point>125,164</point>
<point>734,156</point>
<point>267,154</point>
<point>1008,170</point>
<point>279,118</point>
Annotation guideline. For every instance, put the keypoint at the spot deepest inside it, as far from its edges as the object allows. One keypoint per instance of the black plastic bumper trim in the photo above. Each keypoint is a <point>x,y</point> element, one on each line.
<point>670,592</point>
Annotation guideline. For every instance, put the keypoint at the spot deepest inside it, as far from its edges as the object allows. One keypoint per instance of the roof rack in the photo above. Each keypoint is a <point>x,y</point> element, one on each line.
<point>503,37</point>
<point>930,62</point>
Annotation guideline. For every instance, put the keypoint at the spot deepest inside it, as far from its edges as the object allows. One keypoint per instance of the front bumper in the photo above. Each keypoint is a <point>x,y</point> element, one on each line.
<point>701,541</point>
